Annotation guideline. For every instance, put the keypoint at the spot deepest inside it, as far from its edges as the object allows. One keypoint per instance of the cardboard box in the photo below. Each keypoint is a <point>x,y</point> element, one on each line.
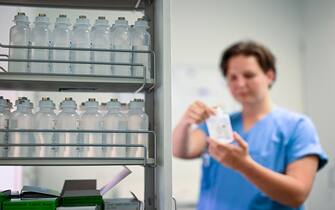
<point>123,203</point>
<point>33,192</point>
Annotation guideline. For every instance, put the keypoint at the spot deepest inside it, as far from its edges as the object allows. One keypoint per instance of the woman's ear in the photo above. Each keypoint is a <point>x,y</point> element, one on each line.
<point>270,74</point>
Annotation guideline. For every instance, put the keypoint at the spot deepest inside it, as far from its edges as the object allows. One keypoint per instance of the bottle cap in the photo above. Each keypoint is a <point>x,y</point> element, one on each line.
<point>68,103</point>
<point>63,19</point>
<point>21,17</point>
<point>42,18</point>
<point>46,103</point>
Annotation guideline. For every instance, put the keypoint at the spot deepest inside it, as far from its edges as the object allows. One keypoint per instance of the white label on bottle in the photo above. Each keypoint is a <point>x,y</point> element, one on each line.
<point>219,128</point>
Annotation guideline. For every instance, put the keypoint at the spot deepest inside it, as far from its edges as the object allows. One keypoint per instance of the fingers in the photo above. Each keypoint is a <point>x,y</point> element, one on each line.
<point>198,112</point>
<point>240,141</point>
<point>213,143</point>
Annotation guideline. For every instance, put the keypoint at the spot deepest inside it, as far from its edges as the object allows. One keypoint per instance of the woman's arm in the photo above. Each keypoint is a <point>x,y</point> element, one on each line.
<point>186,143</point>
<point>291,188</point>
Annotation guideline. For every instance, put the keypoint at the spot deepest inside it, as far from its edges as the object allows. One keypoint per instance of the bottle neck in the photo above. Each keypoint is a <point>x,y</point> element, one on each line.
<point>61,25</point>
<point>114,110</point>
<point>144,28</point>
<point>21,23</point>
<point>24,109</point>
<point>42,25</point>
<point>69,109</point>
<point>101,27</point>
<point>81,26</point>
<point>137,109</point>
<point>91,109</point>
<point>46,109</point>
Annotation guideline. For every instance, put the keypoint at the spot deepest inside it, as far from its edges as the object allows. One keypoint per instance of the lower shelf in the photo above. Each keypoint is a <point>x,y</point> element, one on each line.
<point>75,161</point>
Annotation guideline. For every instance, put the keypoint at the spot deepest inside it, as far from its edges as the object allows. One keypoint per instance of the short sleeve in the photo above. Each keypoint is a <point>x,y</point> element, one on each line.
<point>305,141</point>
<point>203,127</point>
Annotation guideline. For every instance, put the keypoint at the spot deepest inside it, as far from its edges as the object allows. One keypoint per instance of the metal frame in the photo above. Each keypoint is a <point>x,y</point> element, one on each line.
<point>82,4</point>
<point>63,160</point>
<point>126,80</point>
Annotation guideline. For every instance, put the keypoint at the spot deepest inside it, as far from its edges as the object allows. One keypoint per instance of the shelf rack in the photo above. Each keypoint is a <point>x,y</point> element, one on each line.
<point>157,91</point>
<point>68,161</point>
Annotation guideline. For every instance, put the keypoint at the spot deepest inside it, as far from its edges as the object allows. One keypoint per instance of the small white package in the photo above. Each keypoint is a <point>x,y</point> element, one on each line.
<point>219,126</point>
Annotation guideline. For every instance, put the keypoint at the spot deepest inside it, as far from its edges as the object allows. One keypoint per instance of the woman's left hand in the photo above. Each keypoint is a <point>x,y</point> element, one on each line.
<point>230,155</point>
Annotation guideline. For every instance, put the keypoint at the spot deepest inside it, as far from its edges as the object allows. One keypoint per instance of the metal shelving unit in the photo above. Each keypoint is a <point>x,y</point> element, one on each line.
<point>83,4</point>
<point>157,166</point>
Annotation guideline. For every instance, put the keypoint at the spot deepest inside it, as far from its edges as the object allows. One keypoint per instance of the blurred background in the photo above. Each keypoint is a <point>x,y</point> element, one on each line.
<point>301,34</point>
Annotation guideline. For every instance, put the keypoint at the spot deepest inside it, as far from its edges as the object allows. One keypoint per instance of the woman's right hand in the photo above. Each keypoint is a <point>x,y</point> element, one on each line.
<point>196,113</point>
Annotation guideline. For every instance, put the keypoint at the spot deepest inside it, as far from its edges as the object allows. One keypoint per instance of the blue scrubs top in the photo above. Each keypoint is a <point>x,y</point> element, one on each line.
<point>275,141</point>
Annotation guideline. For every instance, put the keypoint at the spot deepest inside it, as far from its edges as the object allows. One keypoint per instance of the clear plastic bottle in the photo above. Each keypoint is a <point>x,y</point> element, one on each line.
<point>81,39</point>
<point>100,39</point>
<point>81,109</point>
<point>67,119</point>
<point>113,120</point>
<point>45,118</point>
<point>103,109</point>
<point>137,120</point>
<point>22,119</point>
<point>125,111</point>
<point>141,40</point>
<point>219,126</point>
<point>8,107</point>
<point>121,39</point>
<point>15,112</point>
<point>41,36</point>
<point>61,38</point>
<point>91,120</point>
<point>4,123</point>
<point>19,35</point>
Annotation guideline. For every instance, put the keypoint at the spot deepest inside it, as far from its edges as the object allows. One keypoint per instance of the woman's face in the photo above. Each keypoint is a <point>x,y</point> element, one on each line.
<point>246,80</point>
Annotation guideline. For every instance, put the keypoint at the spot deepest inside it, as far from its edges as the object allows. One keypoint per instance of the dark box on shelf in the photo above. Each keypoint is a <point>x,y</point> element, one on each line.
<point>81,193</point>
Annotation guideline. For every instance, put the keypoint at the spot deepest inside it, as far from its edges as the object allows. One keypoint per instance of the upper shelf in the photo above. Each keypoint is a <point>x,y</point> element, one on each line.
<point>71,83</point>
<point>83,4</point>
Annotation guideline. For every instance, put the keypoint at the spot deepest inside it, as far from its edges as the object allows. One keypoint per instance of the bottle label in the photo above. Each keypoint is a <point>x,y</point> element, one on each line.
<point>219,127</point>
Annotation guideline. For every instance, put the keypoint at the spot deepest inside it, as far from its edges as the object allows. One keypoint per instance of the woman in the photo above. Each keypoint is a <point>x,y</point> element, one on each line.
<point>276,153</point>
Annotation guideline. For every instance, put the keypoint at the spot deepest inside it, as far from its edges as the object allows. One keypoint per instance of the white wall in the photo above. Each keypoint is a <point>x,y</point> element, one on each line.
<point>200,30</point>
<point>319,86</point>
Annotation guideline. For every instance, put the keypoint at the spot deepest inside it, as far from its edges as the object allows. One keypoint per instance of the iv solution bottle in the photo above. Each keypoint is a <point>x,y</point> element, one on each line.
<point>121,40</point>
<point>45,118</point>
<point>141,41</point>
<point>81,39</point>
<point>61,38</point>
<point>67,119</point>
<point>219,126</point>
<point>41,36</point>
<point>113,120</point>
<point>4,124</point>
<point>91,120</point>
<point>19,35</point>
<point>22,119</point>
<point>137,120</point>
<point>100,40</point>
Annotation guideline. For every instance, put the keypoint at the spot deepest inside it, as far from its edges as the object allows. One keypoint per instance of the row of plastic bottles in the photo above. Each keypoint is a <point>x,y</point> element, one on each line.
<point>101,36</point>
<point>68,118</point>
